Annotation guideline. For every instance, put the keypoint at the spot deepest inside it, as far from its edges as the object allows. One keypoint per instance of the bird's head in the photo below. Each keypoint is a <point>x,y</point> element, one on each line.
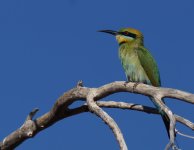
<point>126,35</point>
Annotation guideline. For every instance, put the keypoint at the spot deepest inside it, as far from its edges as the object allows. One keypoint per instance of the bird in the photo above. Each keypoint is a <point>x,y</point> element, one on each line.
<point>138,63</point>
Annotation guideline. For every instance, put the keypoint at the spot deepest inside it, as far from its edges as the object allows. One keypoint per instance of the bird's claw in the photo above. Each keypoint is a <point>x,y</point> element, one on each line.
<point>126,82</point>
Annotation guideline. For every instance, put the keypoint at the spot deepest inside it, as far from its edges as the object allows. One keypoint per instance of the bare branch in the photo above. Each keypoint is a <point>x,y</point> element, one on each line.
<point>94,108</point>
<point>138,107</point>
<point>184,121</point>
<point>61,108</point>
<point>130,106</point>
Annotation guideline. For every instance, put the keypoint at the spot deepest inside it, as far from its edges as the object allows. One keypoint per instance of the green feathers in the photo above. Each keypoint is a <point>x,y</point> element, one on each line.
<point>138,64</point>
<point>149,65</point>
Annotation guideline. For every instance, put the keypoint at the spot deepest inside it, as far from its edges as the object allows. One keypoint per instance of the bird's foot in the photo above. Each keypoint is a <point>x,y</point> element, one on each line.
<point>126,82</point>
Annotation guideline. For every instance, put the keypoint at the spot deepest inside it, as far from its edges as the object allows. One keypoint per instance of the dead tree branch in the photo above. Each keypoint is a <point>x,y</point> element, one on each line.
<point>93,107</point>
<point>61,110</point>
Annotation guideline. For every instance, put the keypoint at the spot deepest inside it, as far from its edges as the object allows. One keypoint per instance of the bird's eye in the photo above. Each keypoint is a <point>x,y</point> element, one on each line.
<point>129,34</point>
<point>125,32</point>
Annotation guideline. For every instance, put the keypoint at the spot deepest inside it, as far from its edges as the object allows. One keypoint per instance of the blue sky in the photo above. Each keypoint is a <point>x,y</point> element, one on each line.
<point>47,46</point>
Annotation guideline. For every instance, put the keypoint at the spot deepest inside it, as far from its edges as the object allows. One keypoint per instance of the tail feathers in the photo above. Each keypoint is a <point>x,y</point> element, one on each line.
<point>166,123</point>
<point>165,118</point>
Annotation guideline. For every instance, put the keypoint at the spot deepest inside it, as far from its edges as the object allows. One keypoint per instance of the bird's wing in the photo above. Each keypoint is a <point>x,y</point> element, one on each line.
<point>149,65</point>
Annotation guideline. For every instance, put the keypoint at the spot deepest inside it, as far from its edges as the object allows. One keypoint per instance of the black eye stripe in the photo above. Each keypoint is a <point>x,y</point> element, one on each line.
<point>129,34</point>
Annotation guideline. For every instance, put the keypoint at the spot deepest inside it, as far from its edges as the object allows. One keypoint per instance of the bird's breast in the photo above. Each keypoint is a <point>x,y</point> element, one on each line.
<point>131,64</point>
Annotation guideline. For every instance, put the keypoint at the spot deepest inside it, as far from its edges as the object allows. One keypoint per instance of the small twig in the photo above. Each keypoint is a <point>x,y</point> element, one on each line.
<point>32,114</point>
<point>80,83</point>
<point>185,135</point>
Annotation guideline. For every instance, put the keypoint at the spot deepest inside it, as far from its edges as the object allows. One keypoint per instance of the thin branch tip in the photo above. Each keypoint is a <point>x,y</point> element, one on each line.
<point>80,83</point>
<point>32,114</point>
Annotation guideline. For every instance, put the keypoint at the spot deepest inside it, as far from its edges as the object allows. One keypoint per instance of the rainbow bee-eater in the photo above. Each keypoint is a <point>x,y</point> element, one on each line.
<point>138,63</point>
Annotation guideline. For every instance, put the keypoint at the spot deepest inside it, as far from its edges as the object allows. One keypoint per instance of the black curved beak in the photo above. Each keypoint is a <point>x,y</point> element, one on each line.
<point>109,32</point>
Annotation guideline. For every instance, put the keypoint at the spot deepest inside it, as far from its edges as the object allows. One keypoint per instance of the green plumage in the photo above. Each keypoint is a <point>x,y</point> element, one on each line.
<point>138,64</point>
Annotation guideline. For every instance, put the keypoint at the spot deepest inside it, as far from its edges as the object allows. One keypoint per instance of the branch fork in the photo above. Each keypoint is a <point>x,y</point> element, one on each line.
<point>94,108</point>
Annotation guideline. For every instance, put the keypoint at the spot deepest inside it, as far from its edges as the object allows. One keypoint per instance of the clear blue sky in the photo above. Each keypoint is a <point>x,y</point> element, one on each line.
<point>47,46</point>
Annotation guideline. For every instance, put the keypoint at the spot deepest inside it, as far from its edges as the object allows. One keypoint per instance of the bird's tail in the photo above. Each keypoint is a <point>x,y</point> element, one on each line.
<point>165,118</point>
<point>166,122</point>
